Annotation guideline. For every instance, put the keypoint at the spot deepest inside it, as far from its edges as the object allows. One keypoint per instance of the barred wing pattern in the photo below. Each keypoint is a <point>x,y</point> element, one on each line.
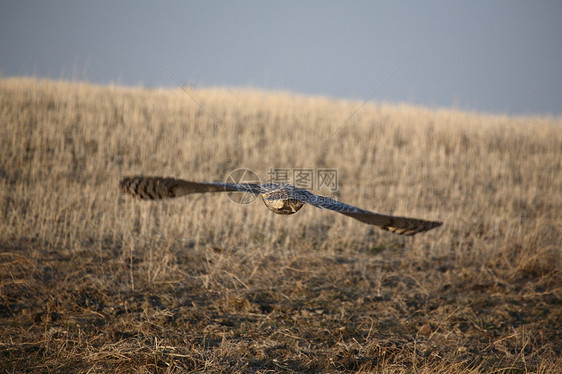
<point>396,224</point>
<point>153,188</point>
<point>156,188</point>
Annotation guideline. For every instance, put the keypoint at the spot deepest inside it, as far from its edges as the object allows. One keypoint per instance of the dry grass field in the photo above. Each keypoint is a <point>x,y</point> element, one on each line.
<point>93,281</point>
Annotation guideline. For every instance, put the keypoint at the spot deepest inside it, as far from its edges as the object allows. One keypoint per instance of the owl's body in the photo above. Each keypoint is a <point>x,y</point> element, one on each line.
<point>279,198</point>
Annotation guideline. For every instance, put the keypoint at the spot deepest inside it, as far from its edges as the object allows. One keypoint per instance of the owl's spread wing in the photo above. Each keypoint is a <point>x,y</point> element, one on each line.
<point>395,224</point>
<point>153,188</point>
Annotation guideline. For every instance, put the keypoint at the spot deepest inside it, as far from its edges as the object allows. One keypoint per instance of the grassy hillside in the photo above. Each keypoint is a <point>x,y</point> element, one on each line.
<point>92,281</point>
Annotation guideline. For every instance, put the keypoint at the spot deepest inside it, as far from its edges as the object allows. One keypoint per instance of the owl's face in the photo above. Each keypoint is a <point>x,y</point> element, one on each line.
<point>279,202</point>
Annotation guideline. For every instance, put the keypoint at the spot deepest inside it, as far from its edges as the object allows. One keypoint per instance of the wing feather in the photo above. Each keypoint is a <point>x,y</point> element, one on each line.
<point>396,224</point>
<point>154,188</point>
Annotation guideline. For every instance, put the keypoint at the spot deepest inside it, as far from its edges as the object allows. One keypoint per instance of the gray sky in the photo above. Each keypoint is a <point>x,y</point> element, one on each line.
<point>491,56</point>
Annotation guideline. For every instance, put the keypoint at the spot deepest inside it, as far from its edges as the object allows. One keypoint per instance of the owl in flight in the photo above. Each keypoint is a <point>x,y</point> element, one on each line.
<point>279,198</point>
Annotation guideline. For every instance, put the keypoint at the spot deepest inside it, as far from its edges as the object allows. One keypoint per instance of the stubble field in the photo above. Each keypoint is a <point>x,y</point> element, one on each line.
<point>93,281</point>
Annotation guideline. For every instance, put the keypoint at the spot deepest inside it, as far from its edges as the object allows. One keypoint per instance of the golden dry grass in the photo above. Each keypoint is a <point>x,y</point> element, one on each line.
<point>91,281</point>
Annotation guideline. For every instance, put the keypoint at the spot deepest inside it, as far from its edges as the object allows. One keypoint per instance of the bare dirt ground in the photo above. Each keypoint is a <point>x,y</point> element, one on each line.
<point>92,281</point>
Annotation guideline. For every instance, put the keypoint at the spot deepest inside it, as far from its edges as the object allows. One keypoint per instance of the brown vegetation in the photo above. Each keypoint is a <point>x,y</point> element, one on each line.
<point>92,281</point>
